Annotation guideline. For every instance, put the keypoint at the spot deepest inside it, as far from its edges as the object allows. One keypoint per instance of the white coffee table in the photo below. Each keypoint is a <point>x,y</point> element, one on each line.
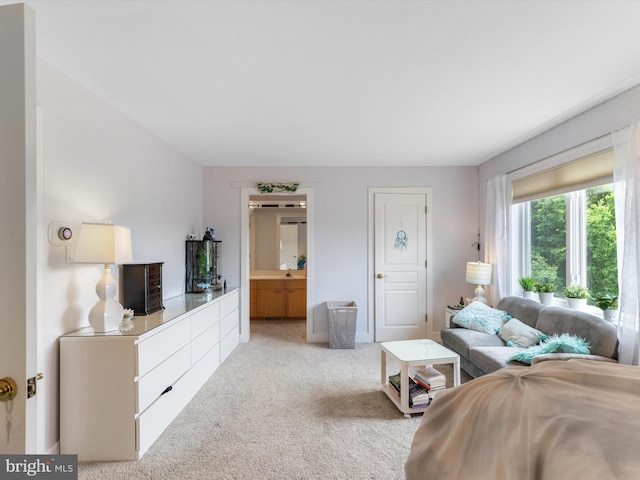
<point>412,353</point>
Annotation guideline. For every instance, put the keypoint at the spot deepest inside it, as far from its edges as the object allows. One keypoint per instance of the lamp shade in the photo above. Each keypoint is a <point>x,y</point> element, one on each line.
<point>103,243</point>
<point>479,273</point>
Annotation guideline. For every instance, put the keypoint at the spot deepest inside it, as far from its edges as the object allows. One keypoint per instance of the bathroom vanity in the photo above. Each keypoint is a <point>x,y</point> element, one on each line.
<point>278,296</point>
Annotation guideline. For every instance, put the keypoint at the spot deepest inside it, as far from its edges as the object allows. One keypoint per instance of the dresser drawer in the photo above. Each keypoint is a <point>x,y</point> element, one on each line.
<point>229,342</point>
<point>229,303</point>
<point>154,420</point>
<point>151,386</point>
<point>155,349</point>
<point>204,342</point>
<point>229,322</point>
<point>204,319</point>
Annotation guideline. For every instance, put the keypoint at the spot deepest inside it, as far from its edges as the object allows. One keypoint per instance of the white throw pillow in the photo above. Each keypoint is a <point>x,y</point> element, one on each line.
<point>519,334</point>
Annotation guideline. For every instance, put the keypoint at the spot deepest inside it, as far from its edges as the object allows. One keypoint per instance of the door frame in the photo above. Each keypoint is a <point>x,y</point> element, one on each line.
<point>245,267</point>
<point>372,191</point>
<point>22,355</point>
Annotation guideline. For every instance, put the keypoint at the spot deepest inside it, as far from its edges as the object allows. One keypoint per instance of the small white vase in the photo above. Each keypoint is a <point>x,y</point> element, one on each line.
<point>577,303</point>
<point>527,294</point>
<point>610,315</point>
<point>546,298</point>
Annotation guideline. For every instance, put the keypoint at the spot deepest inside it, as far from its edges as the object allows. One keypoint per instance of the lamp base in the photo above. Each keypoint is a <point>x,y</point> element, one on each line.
<point>479,292</point>
<point>106,315</point>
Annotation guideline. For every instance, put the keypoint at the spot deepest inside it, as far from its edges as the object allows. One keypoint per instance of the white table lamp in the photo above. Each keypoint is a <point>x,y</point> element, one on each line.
<point>479,274</point>
<point>104,243</point>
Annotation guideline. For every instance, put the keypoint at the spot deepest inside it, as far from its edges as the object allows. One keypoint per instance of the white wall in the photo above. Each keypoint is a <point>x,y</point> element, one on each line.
<point>100,165</point>
<point>340,197</point>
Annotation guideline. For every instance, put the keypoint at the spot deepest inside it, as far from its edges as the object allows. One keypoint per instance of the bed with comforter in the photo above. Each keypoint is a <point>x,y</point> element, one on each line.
<point>556,419</point>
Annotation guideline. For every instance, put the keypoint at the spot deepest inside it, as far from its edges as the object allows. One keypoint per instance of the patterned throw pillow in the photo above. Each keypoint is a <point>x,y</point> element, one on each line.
<point>518,334</point>
<point>481,317</point>
<point>563,343</point>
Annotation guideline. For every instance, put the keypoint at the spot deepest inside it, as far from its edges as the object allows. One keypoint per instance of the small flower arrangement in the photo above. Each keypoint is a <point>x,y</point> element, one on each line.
<point>277,187</point>
<point>128,314</point>
<point>576,291</point>
<point>545,287</point>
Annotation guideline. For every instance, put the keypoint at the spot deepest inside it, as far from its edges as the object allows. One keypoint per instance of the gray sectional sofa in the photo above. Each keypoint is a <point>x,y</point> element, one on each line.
<point>482,353</point>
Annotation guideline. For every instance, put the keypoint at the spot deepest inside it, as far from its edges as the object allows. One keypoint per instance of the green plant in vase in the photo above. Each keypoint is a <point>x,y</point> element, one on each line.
<point>527,284</point>
<point>203,271</point>
<point>576,291</point>
<point>546,292</point>
<point>576,295</point>
<point>609,306</point>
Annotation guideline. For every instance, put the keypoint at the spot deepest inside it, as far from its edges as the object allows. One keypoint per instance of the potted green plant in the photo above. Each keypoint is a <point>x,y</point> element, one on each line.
<point>527,284</point>
<point>576,296</point>
<point>609,306</point>
<point>546,292</point>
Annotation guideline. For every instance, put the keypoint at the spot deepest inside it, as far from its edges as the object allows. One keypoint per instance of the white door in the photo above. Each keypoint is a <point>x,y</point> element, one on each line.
<point>22,242</point>
<point>400,266</point>
<point>288,247</point>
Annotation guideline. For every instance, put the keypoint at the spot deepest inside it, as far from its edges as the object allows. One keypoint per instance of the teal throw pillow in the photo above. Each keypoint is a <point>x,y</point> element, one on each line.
<point>563,343</point>
<point>481,317</point>
<point>519,334</point>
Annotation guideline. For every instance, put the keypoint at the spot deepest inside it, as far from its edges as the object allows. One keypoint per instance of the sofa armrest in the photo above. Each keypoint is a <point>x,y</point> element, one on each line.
<point>568,356</point>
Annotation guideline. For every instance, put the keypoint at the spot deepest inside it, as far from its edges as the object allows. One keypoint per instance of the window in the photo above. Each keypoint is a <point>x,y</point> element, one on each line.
<point>563,231</point>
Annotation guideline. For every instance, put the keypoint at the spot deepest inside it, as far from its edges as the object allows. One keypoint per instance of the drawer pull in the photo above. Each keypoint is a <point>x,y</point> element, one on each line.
<point>167,390</point>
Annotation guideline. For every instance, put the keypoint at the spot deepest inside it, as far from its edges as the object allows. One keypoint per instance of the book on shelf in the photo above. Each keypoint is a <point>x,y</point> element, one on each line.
<point>430,377</point>
<point>418,394</point>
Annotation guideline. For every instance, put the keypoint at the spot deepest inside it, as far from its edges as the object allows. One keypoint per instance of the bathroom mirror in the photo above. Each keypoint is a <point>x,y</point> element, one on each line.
<point>278,232</point>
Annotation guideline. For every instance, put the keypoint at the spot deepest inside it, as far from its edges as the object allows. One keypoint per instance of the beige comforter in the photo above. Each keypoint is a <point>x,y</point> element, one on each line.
<point>574,419</point>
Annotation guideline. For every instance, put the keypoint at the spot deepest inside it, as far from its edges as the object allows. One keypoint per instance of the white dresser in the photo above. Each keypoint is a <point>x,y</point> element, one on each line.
<point>120,390</point>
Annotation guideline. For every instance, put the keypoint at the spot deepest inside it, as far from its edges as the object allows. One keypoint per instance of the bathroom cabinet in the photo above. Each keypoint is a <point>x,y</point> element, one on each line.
<point>279,298</point>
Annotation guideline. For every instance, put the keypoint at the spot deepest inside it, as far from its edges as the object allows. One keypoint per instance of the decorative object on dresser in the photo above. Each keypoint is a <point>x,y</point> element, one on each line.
<point>479,274</point>
<point>142,284</point>
<point>104,243</point>
<point>202,258</point>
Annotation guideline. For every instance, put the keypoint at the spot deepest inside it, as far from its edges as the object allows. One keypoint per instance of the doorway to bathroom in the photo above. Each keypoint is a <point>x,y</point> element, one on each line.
<point>276,263</point>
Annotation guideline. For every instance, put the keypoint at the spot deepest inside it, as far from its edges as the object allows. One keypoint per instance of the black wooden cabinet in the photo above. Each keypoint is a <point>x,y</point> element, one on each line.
<point>142,285</point>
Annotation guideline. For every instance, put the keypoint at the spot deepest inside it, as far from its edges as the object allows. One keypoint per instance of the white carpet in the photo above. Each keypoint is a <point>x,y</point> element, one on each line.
<point>280,408</point>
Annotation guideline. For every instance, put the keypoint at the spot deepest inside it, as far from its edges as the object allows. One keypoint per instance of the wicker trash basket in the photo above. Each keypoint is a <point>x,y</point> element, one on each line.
<point>342,324</point>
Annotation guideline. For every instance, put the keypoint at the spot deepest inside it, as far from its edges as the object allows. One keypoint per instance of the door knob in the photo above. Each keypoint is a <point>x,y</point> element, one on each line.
<point>380,275</point>
<point>8,389</point>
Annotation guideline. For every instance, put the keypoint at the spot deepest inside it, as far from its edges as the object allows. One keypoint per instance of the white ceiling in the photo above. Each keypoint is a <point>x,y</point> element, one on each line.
<point>354,83</point>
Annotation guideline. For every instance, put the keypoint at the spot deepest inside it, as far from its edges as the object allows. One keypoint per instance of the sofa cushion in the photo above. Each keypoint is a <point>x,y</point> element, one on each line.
<point>601,335</point>
<point>481,317</point>
<point>563,343</point>
<point>524,309</point>
<point>518,334</point>
<point>460,339</point>
<point>490,359</point>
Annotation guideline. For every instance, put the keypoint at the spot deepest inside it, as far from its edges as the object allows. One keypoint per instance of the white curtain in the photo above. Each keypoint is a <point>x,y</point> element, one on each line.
<point>626,176</point>
<point>496,236</point>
